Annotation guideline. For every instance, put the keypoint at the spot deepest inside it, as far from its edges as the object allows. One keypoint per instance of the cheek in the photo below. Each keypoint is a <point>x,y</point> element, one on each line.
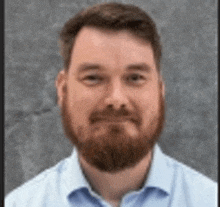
<point>148,106</point>
<point>146,100</point>
<point>81,103</point>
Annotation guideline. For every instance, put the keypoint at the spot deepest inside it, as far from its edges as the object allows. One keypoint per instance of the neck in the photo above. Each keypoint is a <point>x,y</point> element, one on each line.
<point>112,186</point>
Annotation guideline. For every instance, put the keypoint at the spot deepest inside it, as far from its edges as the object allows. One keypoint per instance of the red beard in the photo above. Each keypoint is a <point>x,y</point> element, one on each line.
<point>116,150</point>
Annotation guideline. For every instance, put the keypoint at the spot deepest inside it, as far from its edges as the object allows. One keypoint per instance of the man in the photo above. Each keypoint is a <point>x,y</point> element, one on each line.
<point>111,96</point>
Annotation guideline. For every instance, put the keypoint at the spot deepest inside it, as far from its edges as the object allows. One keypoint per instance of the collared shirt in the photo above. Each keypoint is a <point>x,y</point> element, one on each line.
<point>169,184</point>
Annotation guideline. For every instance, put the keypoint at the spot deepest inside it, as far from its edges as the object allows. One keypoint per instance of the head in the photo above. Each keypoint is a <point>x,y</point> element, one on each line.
<point>110,91</point>
<point>113,17</point>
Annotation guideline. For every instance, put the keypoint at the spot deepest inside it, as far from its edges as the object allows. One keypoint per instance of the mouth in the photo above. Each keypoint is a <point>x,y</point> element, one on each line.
<point>112,120</point>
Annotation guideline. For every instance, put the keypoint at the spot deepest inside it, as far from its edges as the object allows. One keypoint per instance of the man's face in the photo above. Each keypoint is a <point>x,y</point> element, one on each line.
<point>111,98</point>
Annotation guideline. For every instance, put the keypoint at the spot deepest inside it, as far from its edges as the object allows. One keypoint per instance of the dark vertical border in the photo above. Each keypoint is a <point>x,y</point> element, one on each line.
<point>2,12</point>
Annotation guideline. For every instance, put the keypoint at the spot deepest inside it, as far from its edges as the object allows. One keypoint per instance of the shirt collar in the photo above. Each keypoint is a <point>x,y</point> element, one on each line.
<point>160,174</point>
<point>73,177</point>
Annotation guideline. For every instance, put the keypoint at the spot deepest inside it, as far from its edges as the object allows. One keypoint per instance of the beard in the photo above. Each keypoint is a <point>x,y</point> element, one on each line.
<point>114,150</point>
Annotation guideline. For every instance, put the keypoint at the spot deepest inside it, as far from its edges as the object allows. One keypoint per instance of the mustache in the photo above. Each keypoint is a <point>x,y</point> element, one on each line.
<point>112,114</point>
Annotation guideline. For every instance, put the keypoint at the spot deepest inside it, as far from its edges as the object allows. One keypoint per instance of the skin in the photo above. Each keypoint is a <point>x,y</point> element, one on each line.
<point>117,69</point>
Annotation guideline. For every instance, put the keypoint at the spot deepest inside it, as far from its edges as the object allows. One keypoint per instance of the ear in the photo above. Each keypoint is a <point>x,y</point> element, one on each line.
<point>162,86</point>
<point>60,84</point>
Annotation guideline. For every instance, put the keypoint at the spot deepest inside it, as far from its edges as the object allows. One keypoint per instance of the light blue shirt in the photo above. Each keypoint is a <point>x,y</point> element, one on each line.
<point>169,184</point>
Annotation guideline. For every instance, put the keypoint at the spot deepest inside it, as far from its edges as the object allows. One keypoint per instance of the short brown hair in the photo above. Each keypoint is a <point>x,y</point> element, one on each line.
<point>115,17</point>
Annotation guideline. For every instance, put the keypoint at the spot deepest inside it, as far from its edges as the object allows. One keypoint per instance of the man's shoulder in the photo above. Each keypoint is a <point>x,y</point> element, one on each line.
<point>191,183</point>
<point>37,186</point>
<point>184,171</point>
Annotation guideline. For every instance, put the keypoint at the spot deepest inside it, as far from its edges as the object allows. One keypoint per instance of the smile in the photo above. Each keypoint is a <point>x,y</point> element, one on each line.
<point>113,120</point>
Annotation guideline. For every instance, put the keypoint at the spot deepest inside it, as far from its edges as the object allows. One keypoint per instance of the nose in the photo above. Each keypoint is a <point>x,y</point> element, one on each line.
<point>116,97</point>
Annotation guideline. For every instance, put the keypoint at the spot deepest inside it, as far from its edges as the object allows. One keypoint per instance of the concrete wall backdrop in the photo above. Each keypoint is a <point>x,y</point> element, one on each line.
<point>34,138</point>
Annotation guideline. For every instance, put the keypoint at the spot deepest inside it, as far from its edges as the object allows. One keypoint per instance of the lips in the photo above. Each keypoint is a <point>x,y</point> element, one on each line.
<point>112,119</point>
<point>115,116</point>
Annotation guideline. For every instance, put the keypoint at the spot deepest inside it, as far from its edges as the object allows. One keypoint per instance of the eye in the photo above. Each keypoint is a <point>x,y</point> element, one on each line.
<point>92,79</point>
<point>136,79</point>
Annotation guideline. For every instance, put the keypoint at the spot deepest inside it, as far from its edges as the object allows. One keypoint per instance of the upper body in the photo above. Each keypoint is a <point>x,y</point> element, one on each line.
<point>170,183</point>
<point>112,99</point>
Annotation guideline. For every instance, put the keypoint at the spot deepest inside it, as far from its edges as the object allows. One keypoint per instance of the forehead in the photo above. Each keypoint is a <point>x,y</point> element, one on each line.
<point>111,49</point>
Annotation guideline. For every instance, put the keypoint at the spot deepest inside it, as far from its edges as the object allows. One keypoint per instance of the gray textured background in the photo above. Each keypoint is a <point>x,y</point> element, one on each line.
<point>34,138</point>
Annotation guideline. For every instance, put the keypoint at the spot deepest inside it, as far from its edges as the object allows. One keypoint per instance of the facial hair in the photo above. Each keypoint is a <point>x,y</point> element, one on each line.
<point>115,150</point>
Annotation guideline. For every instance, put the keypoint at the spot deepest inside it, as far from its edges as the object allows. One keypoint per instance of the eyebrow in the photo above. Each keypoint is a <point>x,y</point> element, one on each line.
<point>140,67</point>
<point>136,66</point>
<point>88,66</point>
